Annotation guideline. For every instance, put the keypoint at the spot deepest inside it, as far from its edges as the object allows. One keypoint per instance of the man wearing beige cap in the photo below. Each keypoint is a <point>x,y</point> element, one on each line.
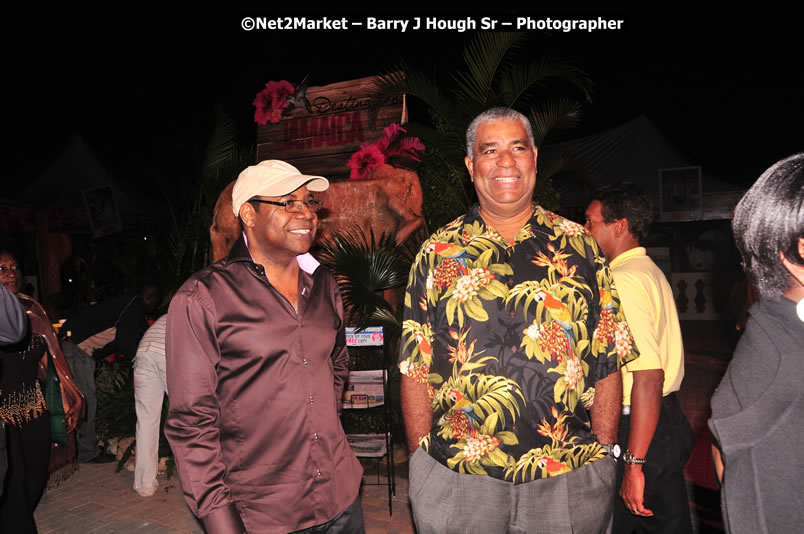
<point>256,363</point>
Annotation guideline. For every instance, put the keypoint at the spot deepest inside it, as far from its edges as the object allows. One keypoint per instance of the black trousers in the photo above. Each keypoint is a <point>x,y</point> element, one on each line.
<point>350,521</point>
<point>665,489</point>
<point>28,448</point>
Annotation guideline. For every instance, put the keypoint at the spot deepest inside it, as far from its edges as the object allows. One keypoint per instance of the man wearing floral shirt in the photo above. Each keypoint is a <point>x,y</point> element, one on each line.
<point>512,329</point>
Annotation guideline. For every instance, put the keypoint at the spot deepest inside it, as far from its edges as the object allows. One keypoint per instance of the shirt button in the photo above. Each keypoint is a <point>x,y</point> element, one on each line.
<point>305,362</point>
<point>311,399</point>
<point>318,472</point>
<point>315,436</point>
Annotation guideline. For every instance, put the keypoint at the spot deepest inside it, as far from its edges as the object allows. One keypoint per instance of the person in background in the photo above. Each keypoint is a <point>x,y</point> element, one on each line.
<point>22,407</point>
<point>756,409</point>
<point>113,325</point>
<point>653,429</point>
<point>13,326</point>
<point>150,387</point>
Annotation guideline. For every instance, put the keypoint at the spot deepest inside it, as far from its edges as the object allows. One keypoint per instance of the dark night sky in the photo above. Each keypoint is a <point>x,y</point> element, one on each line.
<point>139,83</point>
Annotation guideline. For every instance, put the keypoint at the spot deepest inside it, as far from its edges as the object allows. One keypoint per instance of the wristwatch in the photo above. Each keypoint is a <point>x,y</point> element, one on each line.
<point>632,460</point>
<point>612,449</point>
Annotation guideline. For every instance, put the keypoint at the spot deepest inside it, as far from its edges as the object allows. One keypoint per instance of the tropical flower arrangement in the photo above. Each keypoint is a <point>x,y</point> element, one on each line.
<point>278,99</point>
<point>394,147</point>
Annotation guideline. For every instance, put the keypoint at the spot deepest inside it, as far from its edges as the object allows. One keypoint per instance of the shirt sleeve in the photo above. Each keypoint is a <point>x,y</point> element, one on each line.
<point>191,427</point>
<point>340,353</point>
<point>639,312</point>
<point>612,344</point>
<point>416,354</point>
<point>13,323</point>
<point>747,376</point>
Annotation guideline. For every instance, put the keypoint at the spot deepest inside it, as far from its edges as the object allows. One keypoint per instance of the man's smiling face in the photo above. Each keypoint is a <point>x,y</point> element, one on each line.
<point>503,167</point>
<point>280,232</point>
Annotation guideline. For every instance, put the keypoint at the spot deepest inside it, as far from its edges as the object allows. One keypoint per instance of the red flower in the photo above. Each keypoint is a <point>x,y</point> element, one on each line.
<point>410,147</point>
<point>392,132</point>
<point>271,101</point>
<point>365,160</point>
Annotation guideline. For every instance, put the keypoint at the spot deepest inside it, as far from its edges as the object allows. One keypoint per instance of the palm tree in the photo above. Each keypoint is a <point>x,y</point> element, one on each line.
<point>495,72</point>
<point>187,241</point>
<point>371,273</point>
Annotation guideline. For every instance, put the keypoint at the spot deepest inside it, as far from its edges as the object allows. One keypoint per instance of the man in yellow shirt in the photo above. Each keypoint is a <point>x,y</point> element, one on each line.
<point>656,434</point>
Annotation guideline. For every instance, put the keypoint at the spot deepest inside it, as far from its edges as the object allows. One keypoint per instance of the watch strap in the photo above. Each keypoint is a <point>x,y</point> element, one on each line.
<point>630,459</point>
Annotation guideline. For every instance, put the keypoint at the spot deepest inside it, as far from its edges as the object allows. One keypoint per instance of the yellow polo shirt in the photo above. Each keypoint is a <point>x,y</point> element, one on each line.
<point>647,300</point>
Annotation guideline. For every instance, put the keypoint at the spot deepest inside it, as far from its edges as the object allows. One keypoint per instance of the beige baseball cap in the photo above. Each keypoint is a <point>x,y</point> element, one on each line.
<point>272,178</point>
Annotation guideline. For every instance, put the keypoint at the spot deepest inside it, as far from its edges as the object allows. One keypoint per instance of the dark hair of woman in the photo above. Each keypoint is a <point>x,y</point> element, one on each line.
<point>768,220</point>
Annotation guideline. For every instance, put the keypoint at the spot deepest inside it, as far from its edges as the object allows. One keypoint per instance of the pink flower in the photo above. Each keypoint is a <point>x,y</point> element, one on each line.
<point>263,104</point>
<point>396,143</point>
<point>392,132</point>
<point>365,160</point>
<point>410,147</point>
<point>271,101</point>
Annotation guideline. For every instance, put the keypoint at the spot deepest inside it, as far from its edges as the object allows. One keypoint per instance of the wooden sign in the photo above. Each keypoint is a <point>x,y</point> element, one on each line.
<point>321,142</point>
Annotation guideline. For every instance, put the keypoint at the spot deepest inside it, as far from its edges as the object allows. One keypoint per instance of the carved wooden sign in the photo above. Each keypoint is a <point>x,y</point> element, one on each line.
<point>322,141</point>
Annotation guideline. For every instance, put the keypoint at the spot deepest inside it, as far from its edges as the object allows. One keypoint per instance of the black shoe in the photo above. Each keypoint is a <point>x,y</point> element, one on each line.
<point>103,458</point>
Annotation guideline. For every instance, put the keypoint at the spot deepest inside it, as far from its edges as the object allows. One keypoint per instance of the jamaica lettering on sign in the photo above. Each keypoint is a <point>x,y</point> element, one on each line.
<point>321,141</point>
<point>324,131</point>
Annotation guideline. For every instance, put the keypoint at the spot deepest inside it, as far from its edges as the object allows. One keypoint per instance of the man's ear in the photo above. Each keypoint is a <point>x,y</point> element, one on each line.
<point>620,227</point>
<point>470,167</point>
<point>247,214</point>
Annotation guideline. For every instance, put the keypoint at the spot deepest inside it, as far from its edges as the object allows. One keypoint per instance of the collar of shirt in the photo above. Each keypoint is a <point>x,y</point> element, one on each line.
<point>628,254</point>
<point>239,252</point>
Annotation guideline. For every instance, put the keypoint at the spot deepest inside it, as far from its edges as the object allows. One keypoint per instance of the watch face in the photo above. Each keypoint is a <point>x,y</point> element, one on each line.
<point>616,450</point>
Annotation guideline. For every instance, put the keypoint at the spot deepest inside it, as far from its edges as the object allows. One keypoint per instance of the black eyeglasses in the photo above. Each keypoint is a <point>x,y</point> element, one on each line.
<point>292,206</point>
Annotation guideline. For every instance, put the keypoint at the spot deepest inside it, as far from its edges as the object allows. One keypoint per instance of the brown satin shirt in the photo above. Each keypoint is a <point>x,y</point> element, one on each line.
<point>255,389</point>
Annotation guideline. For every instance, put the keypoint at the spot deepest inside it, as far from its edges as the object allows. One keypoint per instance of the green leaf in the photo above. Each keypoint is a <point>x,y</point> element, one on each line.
<point>498,289</point>
<point>508,438</point>
<point>475,310</point>
<point>450,310</point>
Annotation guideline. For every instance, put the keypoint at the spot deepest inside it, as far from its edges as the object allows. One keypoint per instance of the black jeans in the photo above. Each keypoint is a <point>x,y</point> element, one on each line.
<point>350,521</point>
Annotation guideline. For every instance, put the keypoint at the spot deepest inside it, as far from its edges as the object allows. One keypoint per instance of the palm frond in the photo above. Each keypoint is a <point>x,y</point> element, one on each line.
<point>364,267</point>
<point>483,56</point>
<point>403,79</point>
<point>517,82</point>
<point>549,118</point>
<point>221,147</point>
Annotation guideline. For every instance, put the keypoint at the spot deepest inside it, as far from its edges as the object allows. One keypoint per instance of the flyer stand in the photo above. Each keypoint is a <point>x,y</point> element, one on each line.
<point>369,389</point>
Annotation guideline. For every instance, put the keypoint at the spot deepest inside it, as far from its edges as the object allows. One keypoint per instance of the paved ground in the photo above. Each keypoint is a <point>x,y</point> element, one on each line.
<point>97,499</point>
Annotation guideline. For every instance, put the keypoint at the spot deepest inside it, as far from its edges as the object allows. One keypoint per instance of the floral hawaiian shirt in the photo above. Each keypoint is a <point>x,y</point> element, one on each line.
<point>510,339</point>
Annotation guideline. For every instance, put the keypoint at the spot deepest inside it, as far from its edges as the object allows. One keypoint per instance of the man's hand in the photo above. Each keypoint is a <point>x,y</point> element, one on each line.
<point>633,490</point>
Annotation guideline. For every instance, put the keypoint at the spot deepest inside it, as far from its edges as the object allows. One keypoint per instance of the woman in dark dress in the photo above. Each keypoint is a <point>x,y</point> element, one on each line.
<point>756,409</point>
<point>23,410</point>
